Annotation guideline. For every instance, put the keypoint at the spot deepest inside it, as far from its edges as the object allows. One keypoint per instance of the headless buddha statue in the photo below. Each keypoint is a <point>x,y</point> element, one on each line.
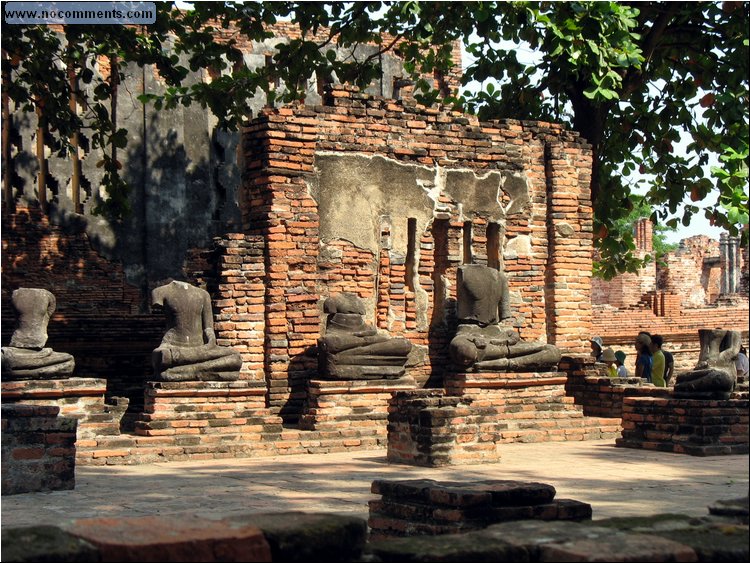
<point>481,343</point>
<point>188,351</point>
<point>26,357</point>
<point>715,374</point>
<point>352,349</point>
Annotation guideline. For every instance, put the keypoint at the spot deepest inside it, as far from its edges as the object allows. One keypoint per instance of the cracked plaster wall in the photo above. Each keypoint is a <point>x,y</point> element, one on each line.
<point>359,194</point>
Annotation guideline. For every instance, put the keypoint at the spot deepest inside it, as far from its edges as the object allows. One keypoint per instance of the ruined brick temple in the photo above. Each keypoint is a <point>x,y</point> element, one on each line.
<point>702,284</point>
<point>362,192</point>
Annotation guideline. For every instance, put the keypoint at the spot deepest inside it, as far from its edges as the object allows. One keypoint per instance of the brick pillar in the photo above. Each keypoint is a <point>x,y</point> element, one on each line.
<point>569,230</point>
<point>278,151</point>
<point>644,235</point>
<point>730,263</point>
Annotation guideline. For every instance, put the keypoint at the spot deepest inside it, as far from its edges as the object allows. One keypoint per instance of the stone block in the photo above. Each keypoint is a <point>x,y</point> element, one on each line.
<point>697,427</point>
<point>423,506</point>
<point>570,541</point>
<point>172,538</point>
<point>458,548</point>
<point>299,536</point>
<point>45,544</point>
<point>712,538</point>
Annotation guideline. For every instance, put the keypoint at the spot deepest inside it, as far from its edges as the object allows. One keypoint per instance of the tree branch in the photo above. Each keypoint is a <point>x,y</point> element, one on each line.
<point>634,78</point>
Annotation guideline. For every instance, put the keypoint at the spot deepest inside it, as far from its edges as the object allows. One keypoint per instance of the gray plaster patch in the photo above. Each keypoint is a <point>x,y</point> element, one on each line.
<point>482,195</point>
<point>518,246</point>
<point>354,191</point>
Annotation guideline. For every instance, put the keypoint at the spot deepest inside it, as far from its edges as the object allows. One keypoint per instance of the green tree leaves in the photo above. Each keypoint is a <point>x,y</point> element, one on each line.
<point>657,88</point>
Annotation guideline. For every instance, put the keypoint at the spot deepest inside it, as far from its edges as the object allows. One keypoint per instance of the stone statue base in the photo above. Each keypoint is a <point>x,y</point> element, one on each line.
<point>346,405</point>
<point>45,363</point>
<point>188,410</point>
<point>716,427</point>
<point>81,398</point>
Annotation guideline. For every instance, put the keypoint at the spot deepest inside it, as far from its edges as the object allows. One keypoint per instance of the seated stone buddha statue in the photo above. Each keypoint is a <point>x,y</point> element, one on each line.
<point>26,357</point>
<point>189,350</point>
<point>352,349</point>
<point>715,374</point>
<point>481,342</point>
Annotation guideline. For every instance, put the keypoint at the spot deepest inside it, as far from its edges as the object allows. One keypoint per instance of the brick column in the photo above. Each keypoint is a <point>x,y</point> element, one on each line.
<point>730,263</point>
<point>569,229</point>
<point>644,235</point>
<point>279,150</point>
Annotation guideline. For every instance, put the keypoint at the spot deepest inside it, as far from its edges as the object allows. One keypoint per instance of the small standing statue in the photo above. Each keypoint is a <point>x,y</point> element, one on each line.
<point>352,349</point>
<point>715,374</point>
<point>188,351</point>
<point>26,357</point>
<point>481,344</point>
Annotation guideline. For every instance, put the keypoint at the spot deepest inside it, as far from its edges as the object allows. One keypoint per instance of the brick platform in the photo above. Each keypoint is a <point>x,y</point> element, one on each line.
<point>356,404</point>
<point>686,426</point>
<point>38,449</point>
<point>528,407</point>
<point>427,428</point>
<point>81,398</point>
<point>603,396</point>
<point>205,408</point>
<point>427,507</point>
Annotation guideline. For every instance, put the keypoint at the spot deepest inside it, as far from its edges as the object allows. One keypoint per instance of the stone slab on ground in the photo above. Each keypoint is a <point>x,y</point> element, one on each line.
<point>303,537</point>
<point>532,541</point>
<point>46,544</point>
<point>712,538</point>
<point>427,507</point>
<point>171,538</point>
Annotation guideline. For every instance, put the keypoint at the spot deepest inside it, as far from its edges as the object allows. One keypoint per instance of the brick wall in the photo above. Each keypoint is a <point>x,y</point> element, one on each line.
<point>625,290</point>
<point>101,319</point>
<point>38,449</point>
<point>618,329</point>
<point>268,278</point>
<point>693,271</point>
<point>282,149</point>
<point>686,426</point>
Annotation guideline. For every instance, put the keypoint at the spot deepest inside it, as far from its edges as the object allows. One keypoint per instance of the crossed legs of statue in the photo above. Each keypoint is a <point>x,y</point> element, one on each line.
<point>386,353</point>
<point>176,363</point>
<point>518,356</point>
<point>521,356</point>
<point>705,380</point>
<point>37,363</point>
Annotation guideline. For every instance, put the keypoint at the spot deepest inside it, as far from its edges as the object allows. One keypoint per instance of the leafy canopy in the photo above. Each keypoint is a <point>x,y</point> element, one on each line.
<point>660,88</point>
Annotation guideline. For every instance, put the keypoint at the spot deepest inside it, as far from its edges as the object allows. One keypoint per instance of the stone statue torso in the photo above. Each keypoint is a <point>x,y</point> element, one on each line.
<point>481,294</point>
<point>184,307</point>
<point>33,308</point>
